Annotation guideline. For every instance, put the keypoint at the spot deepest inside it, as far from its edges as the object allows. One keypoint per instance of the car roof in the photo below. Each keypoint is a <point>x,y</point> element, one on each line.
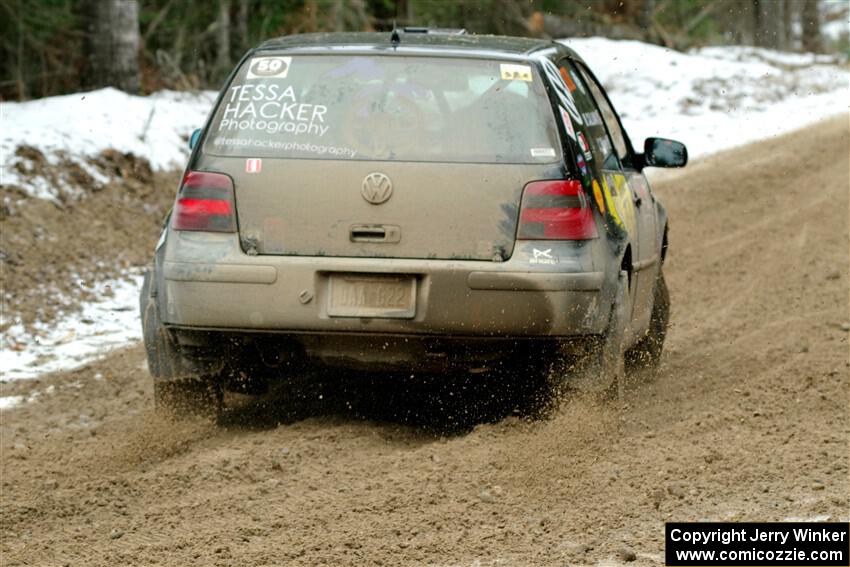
<point>431,42</point>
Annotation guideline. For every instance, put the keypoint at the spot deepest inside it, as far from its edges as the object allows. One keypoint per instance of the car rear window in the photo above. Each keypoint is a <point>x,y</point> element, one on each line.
<point>385,108</point>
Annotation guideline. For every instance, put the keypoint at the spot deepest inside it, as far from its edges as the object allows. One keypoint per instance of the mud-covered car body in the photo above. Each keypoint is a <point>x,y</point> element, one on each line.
<point>440,201</point>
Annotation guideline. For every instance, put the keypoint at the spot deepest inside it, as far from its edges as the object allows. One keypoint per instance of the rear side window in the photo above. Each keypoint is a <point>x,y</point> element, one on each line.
<point>385,108</point>
<point>591,132</point>
<point>607,114</point>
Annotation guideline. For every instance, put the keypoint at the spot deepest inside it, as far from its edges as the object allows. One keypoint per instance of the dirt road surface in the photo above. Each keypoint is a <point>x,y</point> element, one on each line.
<point>748,420</point>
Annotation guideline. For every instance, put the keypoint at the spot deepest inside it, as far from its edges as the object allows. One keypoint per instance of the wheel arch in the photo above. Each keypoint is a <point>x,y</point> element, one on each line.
<point>627,263</point>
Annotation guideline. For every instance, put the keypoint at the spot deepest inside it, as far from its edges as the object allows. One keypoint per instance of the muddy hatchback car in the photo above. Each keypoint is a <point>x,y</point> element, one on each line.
<point>437,203</point>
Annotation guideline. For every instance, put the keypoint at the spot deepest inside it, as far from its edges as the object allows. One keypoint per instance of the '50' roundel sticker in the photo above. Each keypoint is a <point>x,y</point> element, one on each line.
<point>269,67</point>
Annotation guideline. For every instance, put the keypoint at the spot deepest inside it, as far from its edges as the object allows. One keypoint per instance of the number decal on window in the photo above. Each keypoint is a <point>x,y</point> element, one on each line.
<point>269,67</point>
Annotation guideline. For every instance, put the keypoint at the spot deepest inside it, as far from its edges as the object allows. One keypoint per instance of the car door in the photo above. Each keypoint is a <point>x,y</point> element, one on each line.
<point>645,238</point>
<point>599,162</point>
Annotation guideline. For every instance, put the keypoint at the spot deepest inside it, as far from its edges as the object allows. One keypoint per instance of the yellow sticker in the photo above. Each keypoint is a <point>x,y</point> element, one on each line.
<point>597,194</point>
<point>610,202</point>
<point>626,204</point>
<point>618,197</point>
<point>513,72</point>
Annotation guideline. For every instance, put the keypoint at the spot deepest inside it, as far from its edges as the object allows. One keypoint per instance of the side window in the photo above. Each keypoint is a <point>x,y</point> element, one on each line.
<point>592,133</point>
<point>608,115</point>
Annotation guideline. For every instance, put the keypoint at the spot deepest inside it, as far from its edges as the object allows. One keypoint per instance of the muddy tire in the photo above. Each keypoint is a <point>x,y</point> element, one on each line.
<point>179,389</point>
<point>645,356</point>
<point>600,371</point>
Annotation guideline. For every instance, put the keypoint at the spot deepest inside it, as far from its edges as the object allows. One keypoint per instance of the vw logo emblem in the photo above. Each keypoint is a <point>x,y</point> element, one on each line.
<point>376,188</point>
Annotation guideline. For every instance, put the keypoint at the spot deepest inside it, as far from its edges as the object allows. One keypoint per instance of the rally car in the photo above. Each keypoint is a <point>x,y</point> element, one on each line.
<point>433,202</point>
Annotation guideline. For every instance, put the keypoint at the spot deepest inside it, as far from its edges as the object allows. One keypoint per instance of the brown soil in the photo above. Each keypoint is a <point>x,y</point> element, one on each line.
<point>53,252</point>
<point>748,420</point>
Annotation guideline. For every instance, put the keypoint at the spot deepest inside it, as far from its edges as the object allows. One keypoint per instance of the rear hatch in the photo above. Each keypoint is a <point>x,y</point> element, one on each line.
<point>381,155</point>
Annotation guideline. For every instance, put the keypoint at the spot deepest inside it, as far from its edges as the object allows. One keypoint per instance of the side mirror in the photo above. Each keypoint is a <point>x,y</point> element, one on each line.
<point>193,139</point>
<point>661,152</point>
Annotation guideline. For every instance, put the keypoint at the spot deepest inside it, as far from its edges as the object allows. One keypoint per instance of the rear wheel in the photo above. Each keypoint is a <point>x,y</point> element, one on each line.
<point>601,368</point>
<point>646,354</point>
<point>183,384</point>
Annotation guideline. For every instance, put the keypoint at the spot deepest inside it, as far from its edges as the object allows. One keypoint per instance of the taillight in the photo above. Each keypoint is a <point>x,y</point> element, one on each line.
<point>555,210</point>
<point>205,202</point>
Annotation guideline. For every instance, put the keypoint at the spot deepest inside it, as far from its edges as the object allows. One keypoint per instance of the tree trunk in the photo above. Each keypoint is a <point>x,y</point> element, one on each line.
<point>768,23</point>
<point>810,20</point>
<point>777,27</point>
<point>644,18</point>
<point>241,43</point>
<point>222,60</point>
<point>20,65</point>
<point>112,44</point>
<point>787,25</point>
<point>736,23</point>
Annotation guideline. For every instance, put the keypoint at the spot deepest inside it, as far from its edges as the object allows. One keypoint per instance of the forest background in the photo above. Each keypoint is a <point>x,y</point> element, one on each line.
<point>50,47</point>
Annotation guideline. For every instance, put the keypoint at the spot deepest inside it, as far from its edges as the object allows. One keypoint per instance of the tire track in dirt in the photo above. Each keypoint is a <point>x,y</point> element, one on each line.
<point>748,420</point>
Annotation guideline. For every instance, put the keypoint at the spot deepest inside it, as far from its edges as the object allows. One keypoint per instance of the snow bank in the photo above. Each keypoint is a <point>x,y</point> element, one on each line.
<point>92,333</point>
<point>714,98</point>
<point>79,126</point>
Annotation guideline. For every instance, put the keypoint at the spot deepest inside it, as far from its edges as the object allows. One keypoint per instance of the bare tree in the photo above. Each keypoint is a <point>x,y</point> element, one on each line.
<point>788,24</point>
<point>769,31</point>
<point>222,61</point>
<point>112,44</point>
<point>810,19</point>
<point>736,21</point>
<point>644,17</point>
<point>241,29</point>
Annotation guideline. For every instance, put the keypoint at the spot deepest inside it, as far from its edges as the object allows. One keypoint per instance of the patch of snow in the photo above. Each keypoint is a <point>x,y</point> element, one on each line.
<point>748,54</point>
<point>7,402</point>
<point>716,98</point>
<point>836,18</point>
<point>90,334</point>
<point>835,31</point>
<point>80,126</point>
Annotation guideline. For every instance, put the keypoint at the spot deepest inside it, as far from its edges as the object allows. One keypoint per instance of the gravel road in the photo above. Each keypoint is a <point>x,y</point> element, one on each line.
<point>748,420</point>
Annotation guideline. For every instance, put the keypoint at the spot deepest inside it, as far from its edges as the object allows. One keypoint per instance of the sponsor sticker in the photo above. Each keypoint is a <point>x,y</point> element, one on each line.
<point>542,152</point>
<point>272,109</point>
<point>568,124</point>
<point>543,257</point>
<point>254,165</point>
<point>612,185</point>
<point>592,118</point>
<point>567,79</point>
<point>513,72</point>
<point>609,200</point>
<point>582,142</point>
<point>320,149</point>
<point>621,196</point>
<point>564,95</point>
<point>597,195</point>
<point>582,165</point>
<point>269,67</point>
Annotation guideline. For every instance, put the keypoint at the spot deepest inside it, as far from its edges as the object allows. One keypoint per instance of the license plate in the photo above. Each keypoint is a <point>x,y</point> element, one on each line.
<point>380,296</point>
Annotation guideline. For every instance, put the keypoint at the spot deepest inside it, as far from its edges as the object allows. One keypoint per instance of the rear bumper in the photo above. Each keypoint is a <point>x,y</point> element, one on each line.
<point>267,352</point>
<point>208,283</point>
